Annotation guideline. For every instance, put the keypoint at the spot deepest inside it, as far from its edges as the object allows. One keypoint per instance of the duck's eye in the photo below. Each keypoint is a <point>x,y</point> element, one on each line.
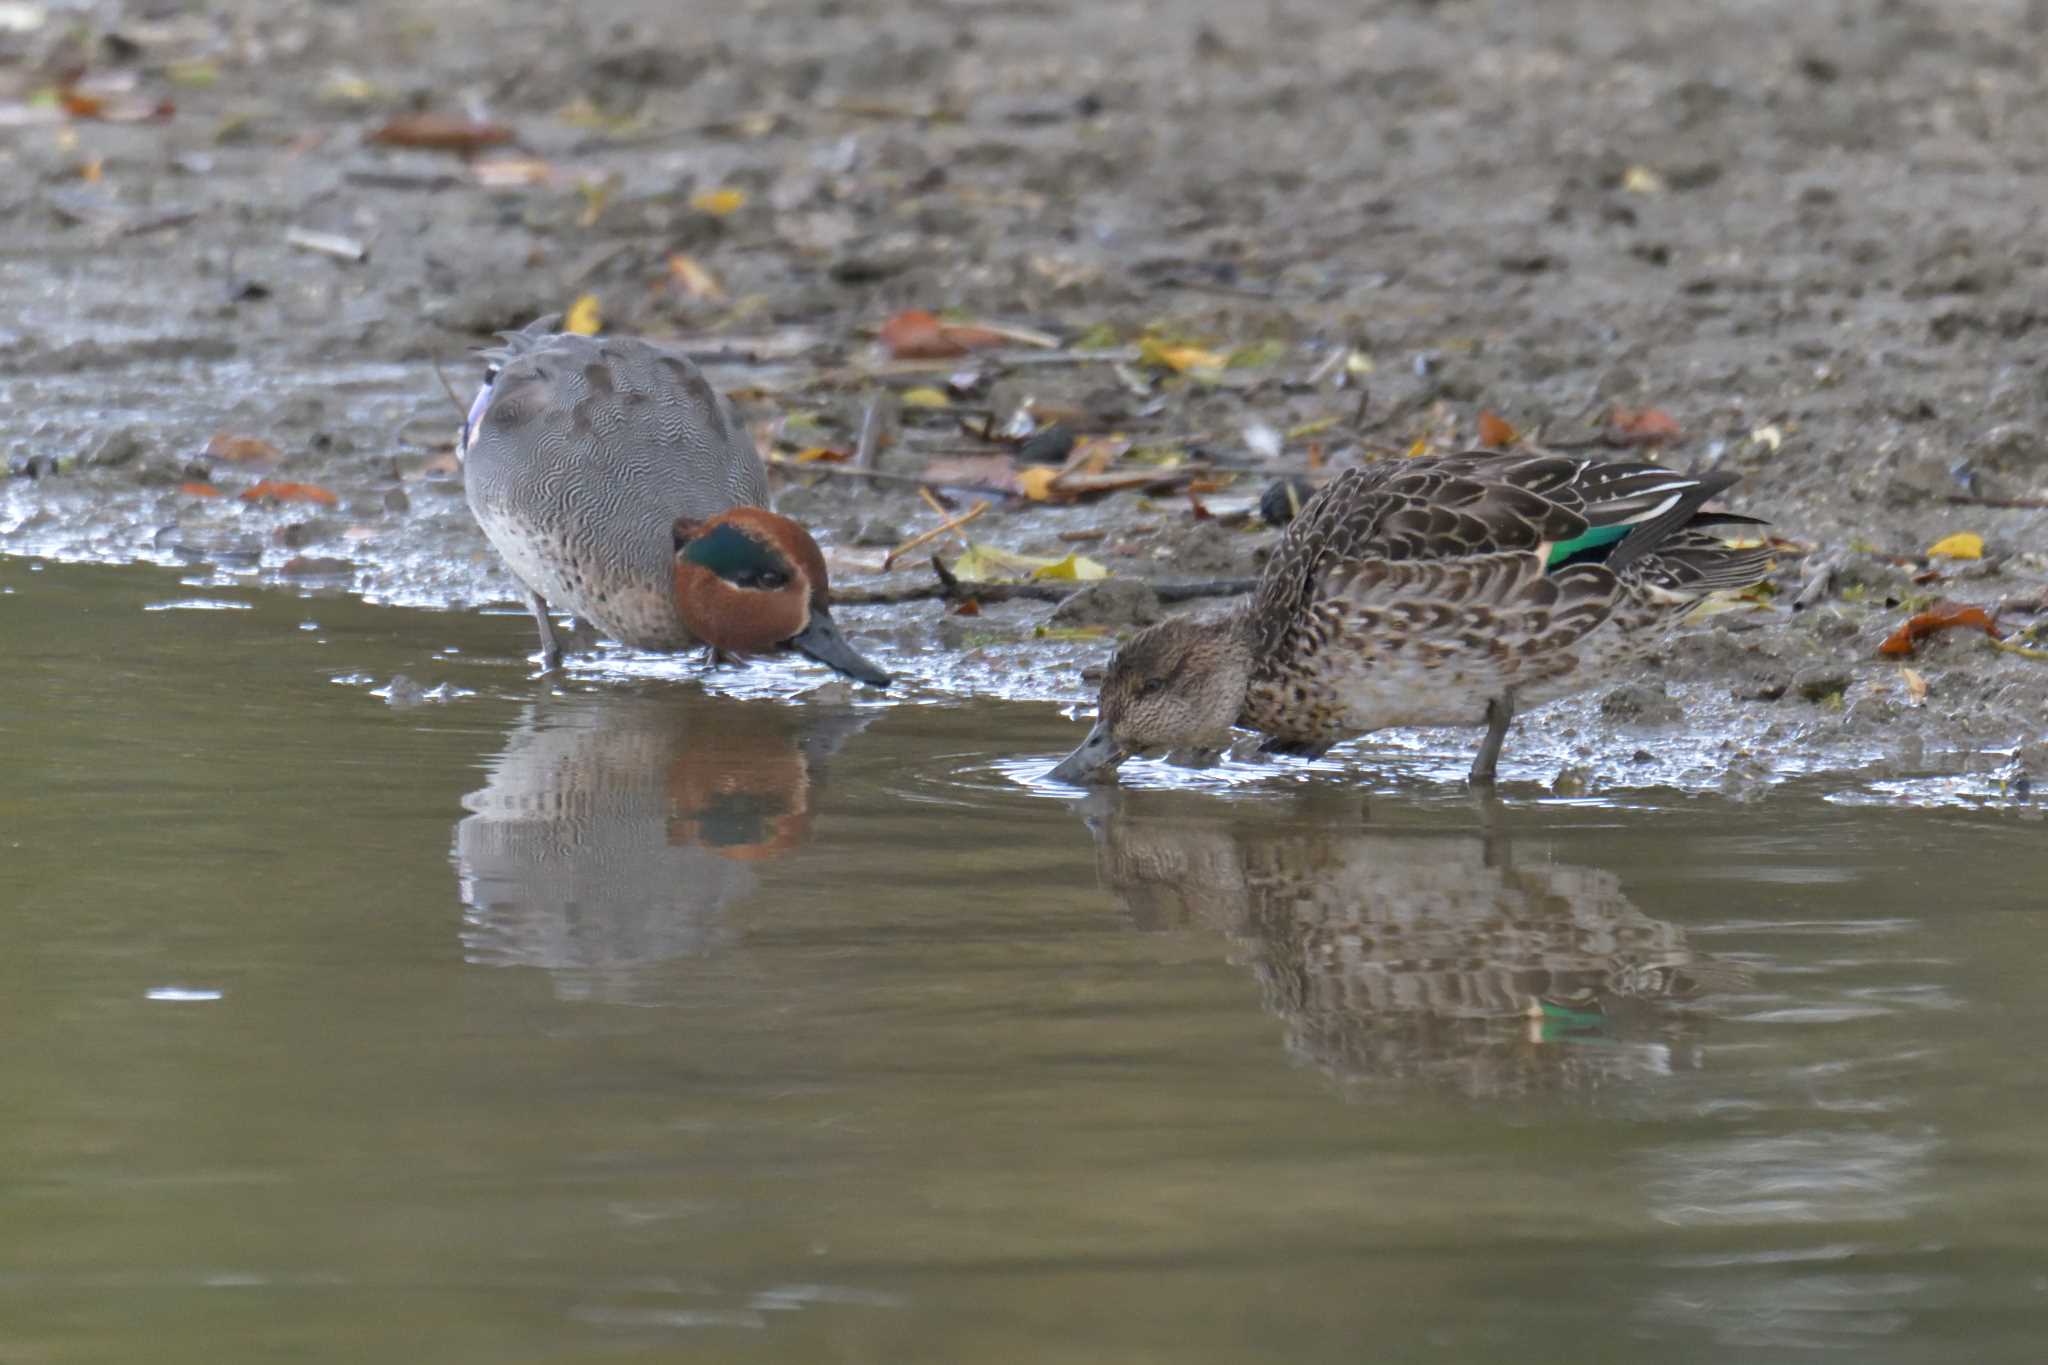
<point>771,578</point>
<point>1153,687</point>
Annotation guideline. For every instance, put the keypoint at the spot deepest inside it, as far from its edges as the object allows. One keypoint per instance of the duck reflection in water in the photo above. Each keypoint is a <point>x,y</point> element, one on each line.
<point>1412,956</point>
<point>616,829</point>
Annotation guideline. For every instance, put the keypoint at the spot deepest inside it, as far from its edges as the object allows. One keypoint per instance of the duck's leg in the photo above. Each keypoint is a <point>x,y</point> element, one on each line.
<point>1500,713</point>
<point>550,648</point>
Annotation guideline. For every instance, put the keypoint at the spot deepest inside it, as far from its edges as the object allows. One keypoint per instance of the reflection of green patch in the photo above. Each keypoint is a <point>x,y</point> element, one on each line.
<point>1560,1022</point>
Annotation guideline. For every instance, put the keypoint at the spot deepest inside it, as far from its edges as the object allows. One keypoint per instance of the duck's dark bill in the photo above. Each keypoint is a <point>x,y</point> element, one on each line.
<point>822,641</point>
<point>1094,761</point>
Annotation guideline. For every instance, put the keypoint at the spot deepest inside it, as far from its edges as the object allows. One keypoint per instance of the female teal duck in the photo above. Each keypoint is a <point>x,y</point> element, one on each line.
<point>1445,591</point>
<point>579,457</point>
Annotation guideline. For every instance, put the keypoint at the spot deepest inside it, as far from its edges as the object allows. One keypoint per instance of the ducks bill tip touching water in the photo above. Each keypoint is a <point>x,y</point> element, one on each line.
<point>749,581</point>
<point>1450,591</point>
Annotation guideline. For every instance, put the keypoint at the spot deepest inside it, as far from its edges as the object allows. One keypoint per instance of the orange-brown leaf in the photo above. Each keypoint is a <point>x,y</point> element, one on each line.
<point>915,334</point>
<point>1643,426</point>
<point>1494,431</point>
<point>271,490</point>
<point>441,133</point>
<point>826,454</point>
<point>242,449</point>
<point>195,489</point>
<point>80,105</point>
<point>1940,616</point>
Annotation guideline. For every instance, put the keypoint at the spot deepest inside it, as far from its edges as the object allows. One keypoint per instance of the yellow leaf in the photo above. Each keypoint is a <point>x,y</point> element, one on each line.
<point>987,564</point>
<point>693,279</point>
<point>584,316</point>
<point>1642,180</point>
<point>1307,429</point>
<point>1961,545</point>
<point>1036,481</point>
<point>1179,359</point>
<point>1075,567</point>
<point>596,195</point>
<point>720,202</point>
<point>925,396</point>
<point>1770,438</point>
<point>814,454</point>
<point>1419,449</point>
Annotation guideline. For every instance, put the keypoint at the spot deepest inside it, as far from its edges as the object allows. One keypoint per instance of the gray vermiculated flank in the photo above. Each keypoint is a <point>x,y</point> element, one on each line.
<point>588,451</point>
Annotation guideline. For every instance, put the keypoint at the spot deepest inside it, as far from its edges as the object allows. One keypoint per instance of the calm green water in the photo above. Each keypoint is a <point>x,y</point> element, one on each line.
<point>618,1021</point>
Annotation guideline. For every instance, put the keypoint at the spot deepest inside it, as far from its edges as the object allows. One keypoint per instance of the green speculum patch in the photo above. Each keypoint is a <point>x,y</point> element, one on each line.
<point>1589,548</point>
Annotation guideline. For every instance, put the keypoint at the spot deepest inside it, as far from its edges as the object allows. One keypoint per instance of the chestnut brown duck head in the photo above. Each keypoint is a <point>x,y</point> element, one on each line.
<point>749,581</point>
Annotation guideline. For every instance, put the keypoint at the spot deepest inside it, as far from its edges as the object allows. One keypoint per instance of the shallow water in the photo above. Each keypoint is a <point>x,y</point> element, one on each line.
<point>474,1018</point>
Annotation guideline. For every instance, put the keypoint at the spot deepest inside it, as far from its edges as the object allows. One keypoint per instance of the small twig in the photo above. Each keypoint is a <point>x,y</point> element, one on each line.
<point>2018,504</point>
<point>2023,651</point>
<point>449,389</point>
<point>927,537</point>
<point>883,476</point>
<point>401,438</point>
<point>951,588</point>
<point>870,434</point>
<point>1327,366</point>
<point>328,244</point>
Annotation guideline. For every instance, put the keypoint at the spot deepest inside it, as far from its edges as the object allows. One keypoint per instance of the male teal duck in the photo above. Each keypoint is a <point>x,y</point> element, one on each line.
<point>1447,591</point>
<point>579,456</point>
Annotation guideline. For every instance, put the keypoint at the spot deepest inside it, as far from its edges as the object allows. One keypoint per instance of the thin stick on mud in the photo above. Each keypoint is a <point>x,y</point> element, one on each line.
<point>870,435</point>
<point>927,537</point>
<point>2021,504</point>
<point>952,589</point>
<point>884,476</point>
<point>449,389</point>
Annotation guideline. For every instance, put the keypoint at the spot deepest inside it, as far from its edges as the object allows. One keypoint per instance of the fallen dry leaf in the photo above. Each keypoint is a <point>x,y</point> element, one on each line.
<point>196,489</point>
<point>915,334</point>
<point>686,274</point>
<point>1037,482</point>
<point>1916,686</point>
<point>1642,426</point>
<point>440,133</point>
<point>585,316</point>
<point>1940,616</point>
<point>511,172</point>
<point>1642,180</point>
<point>1075,567</point>
<point>271,490</point>
<point>1494,431</point>
<point>242,449</point>
<point>719,202</point>
<point>988,564</point>
<point>1961,545</point>
<point>822,454</point>
<point>1180,359</point>
<point>925,396</point>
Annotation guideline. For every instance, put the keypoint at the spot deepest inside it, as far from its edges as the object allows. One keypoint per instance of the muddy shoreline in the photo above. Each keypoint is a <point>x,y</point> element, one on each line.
<point>1807,234</point>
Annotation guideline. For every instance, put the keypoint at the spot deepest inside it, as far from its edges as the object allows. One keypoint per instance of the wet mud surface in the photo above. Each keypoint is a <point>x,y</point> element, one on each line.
<point>1809,234</point>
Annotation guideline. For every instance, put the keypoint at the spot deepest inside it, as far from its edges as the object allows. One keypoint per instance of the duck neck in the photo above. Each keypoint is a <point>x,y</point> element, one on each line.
<point>1232,638</point>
